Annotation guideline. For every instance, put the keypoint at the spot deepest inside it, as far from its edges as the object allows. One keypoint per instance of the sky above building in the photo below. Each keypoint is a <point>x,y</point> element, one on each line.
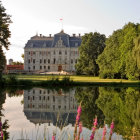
<point>30,17</point>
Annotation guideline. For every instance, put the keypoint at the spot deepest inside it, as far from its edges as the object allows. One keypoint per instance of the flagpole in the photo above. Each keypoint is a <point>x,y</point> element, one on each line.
<point>61,22</point>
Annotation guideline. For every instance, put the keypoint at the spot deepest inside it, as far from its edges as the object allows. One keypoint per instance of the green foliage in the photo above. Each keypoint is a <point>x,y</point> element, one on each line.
<point>118,59</point>
<point>121,105</point>
<point>4,35</point>
<point>17,63</point>
<point>92,45</point>
<point>88,96</point>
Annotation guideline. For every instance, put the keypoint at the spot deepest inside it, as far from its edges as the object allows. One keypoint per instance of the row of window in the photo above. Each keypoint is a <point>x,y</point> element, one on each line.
<point>47,106</point>
<point>54,61</point>
<point>54,52</point>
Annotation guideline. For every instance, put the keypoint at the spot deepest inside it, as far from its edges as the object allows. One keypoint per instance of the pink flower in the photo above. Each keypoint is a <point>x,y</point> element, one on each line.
<point>92,136</point>
<point>79,110</point>
<point>0,126</point>
<point>1,135</point>
<point>53,137</point>
<point>111,128</point>
<point>80,127</point>
<point>95,122</point>
<point>93,129</point>
<point>78,118</point>
<point>104,133</point>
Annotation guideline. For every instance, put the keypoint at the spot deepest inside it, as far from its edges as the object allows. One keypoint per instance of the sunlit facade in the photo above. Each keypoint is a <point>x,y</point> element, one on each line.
<point>57,53</point>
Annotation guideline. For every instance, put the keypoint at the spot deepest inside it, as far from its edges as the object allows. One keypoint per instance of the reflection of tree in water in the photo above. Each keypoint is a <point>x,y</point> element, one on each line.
<point>5,125</point>
<point>122,105</point>
<point>88,96</point>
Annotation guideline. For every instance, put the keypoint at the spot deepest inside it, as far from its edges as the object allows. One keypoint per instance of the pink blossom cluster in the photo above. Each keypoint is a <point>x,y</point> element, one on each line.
<point>1,131</point>
<point>79,110</point>
<point>53,137</point>
<point>93,129</point>
<point>104,133</point>
<point>111,128</point>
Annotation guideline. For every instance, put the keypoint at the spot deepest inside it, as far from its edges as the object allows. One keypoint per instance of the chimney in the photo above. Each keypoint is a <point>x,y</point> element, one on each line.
<point>73,35</point>
<point>50,35</point>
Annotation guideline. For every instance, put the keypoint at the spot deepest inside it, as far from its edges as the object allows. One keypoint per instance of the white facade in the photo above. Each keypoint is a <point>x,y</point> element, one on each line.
<point>45,54</point>
<point>43,105</point>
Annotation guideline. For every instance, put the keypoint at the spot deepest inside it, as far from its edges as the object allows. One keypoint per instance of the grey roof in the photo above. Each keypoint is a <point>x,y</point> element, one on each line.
<point>40,117</point>
<point>48,42</point>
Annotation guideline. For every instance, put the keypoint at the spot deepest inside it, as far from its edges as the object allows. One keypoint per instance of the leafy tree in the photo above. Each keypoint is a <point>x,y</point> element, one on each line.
<point>92,45</point>
<point>117,59</point>
<point>17,63</point>
<point>4,34</point>
<point>121,105</point>
<point>88,96</point>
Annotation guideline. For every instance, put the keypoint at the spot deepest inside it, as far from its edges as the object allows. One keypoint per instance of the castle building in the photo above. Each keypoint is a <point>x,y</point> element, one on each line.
<point>43,105</point>
<point>53,53</point>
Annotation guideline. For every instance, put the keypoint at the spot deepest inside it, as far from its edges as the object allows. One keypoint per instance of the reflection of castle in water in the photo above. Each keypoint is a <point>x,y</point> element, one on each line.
<point>46,106</point>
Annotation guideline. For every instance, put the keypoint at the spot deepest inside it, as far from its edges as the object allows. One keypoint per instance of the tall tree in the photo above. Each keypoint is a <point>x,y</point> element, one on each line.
<point>92,45</point>
<point>118,59</point>
<point>4,34</point>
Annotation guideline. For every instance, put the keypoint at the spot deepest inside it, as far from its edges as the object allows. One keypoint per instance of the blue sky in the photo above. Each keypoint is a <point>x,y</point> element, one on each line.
<point>79,16</point>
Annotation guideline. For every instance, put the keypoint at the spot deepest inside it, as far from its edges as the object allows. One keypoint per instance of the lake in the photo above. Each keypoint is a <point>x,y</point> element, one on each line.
<point>38,113</point>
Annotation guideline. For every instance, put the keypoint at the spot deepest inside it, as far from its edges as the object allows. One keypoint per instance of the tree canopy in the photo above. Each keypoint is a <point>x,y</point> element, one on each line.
<point>92,45</point>
<point>4,34</point>
<point>120,58</point>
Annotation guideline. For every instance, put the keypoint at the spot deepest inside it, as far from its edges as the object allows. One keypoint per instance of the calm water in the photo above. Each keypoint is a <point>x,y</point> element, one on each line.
<point>37,113</point>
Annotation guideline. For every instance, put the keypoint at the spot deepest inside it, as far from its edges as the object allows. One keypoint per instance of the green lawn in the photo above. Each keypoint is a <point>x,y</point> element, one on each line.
<point>74,78</point>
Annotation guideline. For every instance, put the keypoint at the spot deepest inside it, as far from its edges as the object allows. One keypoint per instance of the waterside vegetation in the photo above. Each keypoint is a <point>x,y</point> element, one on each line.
<point>53,80</point>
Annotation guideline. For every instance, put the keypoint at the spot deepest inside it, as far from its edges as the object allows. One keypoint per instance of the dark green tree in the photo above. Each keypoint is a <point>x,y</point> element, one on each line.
<point>92,45</point>
<point>118,59</point>
<point>88,97</point>
<point>121,105</point>
<point>4,35</point>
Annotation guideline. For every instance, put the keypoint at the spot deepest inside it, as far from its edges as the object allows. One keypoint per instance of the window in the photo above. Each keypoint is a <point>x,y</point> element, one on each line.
<point>33,53</point>
<point>60,52</point>
<point>40,91</point>
<point>44,60</point>
<point>29,61</point>
<point>29,53</point>
<point>48,67</point>
<point>54,60</point>
<point>44,67</point>
<point>53,107</point>
<point>48,61</point>
<point>28,97</point>
<point>40,61</point>
<point>33,60</point>
<point>34,67</point>
<point>75,60</point>
<point>40,67</point>
<point>71,61</point>
<point>53,99</point>
<point>39,97</point>
<point>65,52</point>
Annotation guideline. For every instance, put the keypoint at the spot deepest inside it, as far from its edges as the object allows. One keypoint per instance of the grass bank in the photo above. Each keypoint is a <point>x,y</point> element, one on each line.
<point>59,80</point>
